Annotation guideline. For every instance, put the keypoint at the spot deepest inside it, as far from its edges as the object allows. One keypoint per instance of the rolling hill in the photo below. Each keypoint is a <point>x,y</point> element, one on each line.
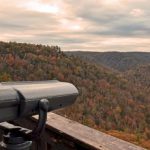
<point>108,101</point>
<point>121,61</point>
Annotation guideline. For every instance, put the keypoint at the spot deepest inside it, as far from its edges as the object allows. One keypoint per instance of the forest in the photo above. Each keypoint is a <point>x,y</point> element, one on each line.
<point>120,61</point>
<point>117,103</point>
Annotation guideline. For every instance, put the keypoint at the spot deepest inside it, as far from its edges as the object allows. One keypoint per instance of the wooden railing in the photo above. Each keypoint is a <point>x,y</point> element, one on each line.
<point>64,134</point>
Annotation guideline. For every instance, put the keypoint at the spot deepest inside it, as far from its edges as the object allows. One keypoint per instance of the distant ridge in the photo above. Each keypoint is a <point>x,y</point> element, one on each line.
<point>121,61</point>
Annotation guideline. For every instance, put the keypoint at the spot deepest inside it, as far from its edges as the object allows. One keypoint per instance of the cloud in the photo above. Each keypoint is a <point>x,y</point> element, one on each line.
<point>78,25</point>
<point>41,7</point>
<point>137,12</point>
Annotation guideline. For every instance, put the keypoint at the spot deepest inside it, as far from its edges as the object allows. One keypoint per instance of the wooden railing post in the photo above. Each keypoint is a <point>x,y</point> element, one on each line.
<point>41,144</point>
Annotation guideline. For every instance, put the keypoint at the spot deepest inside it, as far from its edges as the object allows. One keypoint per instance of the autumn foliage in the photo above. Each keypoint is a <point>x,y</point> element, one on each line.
<point>107,101</point>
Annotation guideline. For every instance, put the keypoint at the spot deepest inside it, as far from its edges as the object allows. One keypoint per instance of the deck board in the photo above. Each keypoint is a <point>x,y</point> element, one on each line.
<point>87,136</point>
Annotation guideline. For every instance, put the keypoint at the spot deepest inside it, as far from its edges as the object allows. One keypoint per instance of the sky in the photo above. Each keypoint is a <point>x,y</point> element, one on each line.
<point>83,25</point>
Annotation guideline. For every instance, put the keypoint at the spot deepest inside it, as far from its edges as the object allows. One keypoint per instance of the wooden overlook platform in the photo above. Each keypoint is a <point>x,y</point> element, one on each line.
<point>64,134</point>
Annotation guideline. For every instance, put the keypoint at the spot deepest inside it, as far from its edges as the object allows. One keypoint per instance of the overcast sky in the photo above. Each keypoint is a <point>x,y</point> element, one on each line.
<point>93,25</point>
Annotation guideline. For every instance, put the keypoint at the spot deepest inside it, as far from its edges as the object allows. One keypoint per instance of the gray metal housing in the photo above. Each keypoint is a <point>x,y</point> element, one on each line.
<point>19,99</point>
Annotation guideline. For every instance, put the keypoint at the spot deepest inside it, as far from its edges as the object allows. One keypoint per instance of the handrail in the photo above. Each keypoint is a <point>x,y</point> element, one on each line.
<point>63,132</point>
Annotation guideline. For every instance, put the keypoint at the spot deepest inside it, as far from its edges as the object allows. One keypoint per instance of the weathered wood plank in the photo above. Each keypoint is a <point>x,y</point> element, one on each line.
<point>86,136</point>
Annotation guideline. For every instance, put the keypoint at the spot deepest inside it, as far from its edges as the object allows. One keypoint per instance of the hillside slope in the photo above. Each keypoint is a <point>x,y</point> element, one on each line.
<point>121,61</point>
<point>140,75</point>
<point>107,100</point>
